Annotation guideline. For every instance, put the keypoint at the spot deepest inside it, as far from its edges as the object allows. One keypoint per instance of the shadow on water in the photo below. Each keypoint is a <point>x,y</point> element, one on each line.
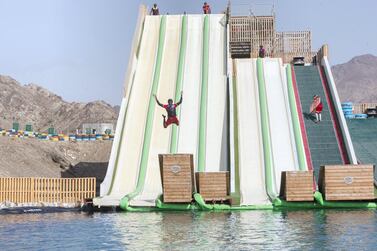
<point>87,169</point>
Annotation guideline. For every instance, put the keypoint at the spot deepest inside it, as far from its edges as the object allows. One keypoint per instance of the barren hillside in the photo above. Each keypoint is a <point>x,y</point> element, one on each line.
<point>357,79</point>
<point>43,109</point>
<point>35,158</point>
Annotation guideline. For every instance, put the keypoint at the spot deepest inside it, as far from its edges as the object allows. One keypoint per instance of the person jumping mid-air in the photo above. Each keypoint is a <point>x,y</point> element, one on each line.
<point>170,110</point>
<point>316,107</point>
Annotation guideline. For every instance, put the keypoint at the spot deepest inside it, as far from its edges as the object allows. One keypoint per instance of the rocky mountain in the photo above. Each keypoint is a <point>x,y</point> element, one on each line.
<point>357,79</point>
<point>32,104</point>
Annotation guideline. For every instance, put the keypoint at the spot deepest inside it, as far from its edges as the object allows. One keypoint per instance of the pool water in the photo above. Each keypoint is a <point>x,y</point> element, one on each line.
<point>246,230</point>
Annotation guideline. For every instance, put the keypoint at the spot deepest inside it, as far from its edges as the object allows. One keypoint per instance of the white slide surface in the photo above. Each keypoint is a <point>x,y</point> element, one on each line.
<point>160,141</point>
<point>121,178</point>
<point>250,148</point>
<point>281,130</point>
<point>189,114</point>
<point>217,124</point>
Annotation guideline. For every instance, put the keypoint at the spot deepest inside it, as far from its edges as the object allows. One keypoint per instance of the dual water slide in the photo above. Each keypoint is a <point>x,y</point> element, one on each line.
<point>265,141</point>
<point>174,53</point>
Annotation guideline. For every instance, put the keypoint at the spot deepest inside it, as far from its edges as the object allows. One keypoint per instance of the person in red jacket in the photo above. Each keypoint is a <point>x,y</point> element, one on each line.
<point>206,8</point>
<point>316,107</point>
<point>170,110</point>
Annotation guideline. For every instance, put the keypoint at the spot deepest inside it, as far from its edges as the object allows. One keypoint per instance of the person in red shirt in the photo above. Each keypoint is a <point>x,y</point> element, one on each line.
<point>316,107</point>
<point>206,8</point>
<point>170,110</point>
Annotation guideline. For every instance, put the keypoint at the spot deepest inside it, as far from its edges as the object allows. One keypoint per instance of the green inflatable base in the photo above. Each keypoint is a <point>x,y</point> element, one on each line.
<point>200,205</point>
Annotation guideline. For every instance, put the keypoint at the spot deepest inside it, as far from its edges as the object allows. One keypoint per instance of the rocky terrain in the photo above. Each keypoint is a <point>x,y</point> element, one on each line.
<point>32,104</point>
<point>30,157</point>
<point>357,79</point>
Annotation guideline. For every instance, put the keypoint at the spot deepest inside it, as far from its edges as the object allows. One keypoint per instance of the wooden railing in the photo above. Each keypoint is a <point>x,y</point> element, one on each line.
<point>287,57</point>
<point>256,30</point>
<point>361,108</point>
<point>294,44</point>
<point>46,190</point>
<point>260,30</point>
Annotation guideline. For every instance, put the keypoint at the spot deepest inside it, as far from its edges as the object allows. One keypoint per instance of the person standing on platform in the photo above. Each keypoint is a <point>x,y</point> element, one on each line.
<point>316,107</point>
<point>262,52</point>
<point>206,8</point>
<point>155,11</point>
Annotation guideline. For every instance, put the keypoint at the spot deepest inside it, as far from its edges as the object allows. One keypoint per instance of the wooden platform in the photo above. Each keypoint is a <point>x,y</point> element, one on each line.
<point>177,175</point>
<point>297,186</point>
<point>348,182</point>
<point>213,186</point>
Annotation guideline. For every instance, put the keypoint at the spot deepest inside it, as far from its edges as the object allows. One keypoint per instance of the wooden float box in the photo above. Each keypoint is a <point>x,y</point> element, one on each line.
<point>213,186</point>
<point>346,182</point>
<point>297,186</point>
<point>177,176</point>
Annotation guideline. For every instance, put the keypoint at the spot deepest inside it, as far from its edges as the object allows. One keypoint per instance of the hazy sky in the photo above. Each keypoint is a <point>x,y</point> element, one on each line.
<point>79,48</point>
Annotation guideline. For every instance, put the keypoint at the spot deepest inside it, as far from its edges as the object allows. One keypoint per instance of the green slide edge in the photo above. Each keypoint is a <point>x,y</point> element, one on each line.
<point>124,203</point>
<point>179,82</point>
<point>120,144</point>
<point>125,117</point>
<point>203,98</point>
<point>266,137</point>
<point>295,122</point>
<point>236,195</point>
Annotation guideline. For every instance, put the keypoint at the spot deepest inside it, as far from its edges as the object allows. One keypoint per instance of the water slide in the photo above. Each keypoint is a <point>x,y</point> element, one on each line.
<point>249,143</point>
<point>173,53</point>
<point>217,107</point>
<point>123,169</point>
<point>279,114</point>
<point>156,137</point>
<point>189,110</point>
<point>265,132</point>
<point>203,128</point>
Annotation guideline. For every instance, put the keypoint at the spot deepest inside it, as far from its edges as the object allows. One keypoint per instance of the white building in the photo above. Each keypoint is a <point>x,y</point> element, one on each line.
<point>98,128</point>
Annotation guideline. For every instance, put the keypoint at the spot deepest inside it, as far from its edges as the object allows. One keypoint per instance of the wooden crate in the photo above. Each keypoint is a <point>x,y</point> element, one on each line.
<point>297,186</point>
<point>177,175</point>
<point>347,182</point>
<point>213,186</point>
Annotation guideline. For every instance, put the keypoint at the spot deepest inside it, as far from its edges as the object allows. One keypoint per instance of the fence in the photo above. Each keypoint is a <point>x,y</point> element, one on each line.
<point>256,30</point>
<point>260,30</point>
<point>46,190</point>
<point>361,108</point>
<point>294,44</point>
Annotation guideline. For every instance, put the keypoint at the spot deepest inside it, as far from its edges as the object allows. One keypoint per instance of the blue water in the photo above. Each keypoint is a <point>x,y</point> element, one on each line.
<point>248,230</point>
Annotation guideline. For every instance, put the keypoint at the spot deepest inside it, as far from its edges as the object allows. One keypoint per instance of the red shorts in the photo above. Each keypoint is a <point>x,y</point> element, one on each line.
<point>171,120</point>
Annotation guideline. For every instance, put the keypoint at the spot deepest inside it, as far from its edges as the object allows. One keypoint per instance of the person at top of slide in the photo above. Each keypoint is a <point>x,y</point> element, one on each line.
<point>262,52</point>
<point>155,11</point>
<point>206,8</point>
<point>170,110</point>
<point>316,107</point>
